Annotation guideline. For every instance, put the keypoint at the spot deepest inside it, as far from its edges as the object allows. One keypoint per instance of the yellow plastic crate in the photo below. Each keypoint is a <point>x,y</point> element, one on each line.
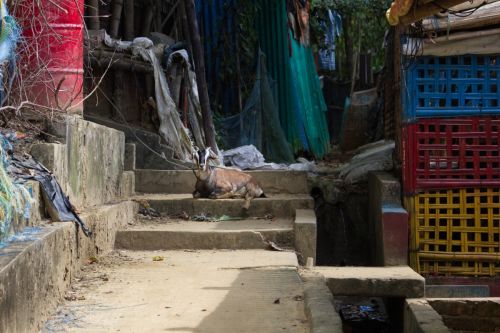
<point>455,232</point>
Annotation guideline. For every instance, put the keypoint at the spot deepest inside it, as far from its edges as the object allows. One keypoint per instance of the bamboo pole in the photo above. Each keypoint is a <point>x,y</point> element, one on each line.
<point>199,62</point>
<point>428,10</point>
<point>459,256</point>
<point>93,10</point>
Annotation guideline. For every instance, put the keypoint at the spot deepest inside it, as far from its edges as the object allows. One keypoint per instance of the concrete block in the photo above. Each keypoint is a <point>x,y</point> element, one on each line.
<point>130,157</point>
<point>321,314</point>
<point>388,220</point>
<point>127,185</point>
<point>54,157</point>
<point>35,274</point>
<point>89,166</point>
<point>37,210</point>
<point>420,317</point>
<point>384,187</point>
<point>305,229</point>
<point>456,291</point>
<point>396,281</point>
<point>95,162</point>
<point>392,236</point>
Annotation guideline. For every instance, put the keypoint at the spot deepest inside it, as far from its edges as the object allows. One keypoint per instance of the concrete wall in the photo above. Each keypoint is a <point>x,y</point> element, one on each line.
<point>471,315</point>
<point>420,317</point>
<point>90,165</point>
<point>388,219</point>
<point>35,273</point>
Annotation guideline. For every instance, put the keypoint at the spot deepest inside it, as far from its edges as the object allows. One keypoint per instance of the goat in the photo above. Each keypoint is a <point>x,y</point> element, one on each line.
<point>220,183</point>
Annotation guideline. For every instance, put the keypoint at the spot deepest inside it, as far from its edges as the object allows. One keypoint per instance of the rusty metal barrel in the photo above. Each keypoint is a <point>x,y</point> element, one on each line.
<point>51,52</point>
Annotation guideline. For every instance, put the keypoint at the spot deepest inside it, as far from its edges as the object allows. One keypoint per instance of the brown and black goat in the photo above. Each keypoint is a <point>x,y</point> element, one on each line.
<point>221,183</point>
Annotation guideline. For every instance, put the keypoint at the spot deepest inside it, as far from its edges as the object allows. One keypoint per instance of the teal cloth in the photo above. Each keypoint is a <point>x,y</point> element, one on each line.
<point>298,93</point>
<point>312,104</point>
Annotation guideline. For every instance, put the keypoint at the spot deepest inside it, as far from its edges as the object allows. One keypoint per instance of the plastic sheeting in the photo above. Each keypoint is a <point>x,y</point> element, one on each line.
<point>249,158</point>
<point>58,204</point>
<point>376,156</point>
<point>171,127</point>
<point>258,124</point>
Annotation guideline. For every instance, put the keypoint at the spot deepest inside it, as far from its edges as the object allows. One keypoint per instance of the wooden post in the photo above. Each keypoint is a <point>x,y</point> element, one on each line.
<point>199,63</point>
<point>398,108</point>
<point>129,12</point>
<point>93,11</point>
<point>147,21</point>
<point>116,17</point>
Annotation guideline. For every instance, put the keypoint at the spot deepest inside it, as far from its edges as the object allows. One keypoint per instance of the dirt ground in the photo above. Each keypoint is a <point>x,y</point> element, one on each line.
<point>185,291</point>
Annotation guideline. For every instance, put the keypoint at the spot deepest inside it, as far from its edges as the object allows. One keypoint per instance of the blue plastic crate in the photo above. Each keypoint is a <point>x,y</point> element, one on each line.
<point>452,86</point>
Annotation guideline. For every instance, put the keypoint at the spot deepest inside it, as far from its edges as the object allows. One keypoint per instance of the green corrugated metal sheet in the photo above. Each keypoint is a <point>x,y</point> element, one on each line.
<point>298,94</point>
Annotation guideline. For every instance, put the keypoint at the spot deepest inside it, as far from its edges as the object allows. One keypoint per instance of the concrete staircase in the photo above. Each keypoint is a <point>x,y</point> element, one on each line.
<point>284,219</point>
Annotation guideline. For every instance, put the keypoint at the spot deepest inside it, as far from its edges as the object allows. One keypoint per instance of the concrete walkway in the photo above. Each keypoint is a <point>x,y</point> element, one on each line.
<point>254,291</point>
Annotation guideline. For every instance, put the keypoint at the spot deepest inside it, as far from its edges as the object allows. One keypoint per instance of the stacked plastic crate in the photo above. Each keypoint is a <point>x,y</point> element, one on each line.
<point>451,164</point>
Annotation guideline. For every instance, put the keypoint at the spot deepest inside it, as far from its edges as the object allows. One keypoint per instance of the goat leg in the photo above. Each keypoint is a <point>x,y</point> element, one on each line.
<point>227,195</point>
<point>248,199</point>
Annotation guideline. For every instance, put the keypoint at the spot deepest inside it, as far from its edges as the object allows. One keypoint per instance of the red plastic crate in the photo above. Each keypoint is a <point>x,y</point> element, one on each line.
<point>443,153</point>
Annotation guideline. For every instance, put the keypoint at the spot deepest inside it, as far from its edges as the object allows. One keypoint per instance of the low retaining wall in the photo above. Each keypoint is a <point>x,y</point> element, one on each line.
<point>35,274</point>
<point>420,317</point>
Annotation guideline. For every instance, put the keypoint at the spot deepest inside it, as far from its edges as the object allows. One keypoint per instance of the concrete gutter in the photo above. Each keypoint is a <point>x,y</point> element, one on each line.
<point>420,317</point>
<point>395,281</point>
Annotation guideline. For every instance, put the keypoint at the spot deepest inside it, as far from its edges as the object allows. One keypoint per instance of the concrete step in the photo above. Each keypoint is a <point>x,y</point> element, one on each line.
<point>168,234</point>
<point>283,205</point>
<point>178,182</point>
<point>395,281</point>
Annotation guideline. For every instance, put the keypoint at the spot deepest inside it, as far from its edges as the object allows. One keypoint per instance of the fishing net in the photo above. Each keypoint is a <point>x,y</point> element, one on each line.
<point>15,200</point>
<point>258,124</point>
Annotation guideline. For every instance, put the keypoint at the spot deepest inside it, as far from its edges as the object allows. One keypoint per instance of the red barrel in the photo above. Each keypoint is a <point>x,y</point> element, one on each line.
<point>51,52</point>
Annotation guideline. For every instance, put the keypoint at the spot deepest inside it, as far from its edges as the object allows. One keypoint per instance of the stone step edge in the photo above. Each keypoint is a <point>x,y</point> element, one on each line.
<point>318,303</point>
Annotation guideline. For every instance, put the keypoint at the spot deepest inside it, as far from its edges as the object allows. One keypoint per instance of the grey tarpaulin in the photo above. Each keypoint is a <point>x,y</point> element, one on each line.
<point>171,128</point>
<point>258,124</point>
<point>62,210</point>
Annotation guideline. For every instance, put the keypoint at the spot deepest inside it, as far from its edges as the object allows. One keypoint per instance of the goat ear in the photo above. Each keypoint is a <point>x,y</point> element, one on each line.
<point>195,159</point>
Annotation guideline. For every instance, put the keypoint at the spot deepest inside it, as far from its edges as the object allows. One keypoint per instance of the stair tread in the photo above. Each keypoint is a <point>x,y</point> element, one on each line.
<point>189,196</point>
<point>220,226</point>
